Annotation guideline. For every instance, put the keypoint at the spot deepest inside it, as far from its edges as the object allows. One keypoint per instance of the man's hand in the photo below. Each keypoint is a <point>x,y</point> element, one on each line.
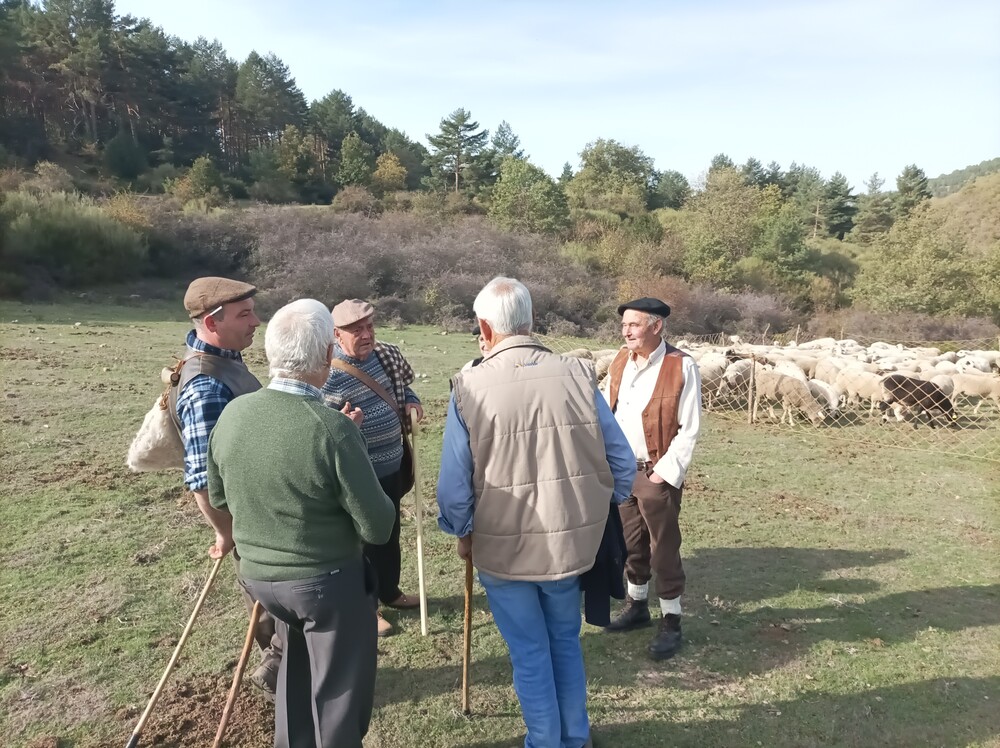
<point>410,407</point>
<point>465,547</point>
<point>354,414</point>
<point>223,544</point>
<point>655,478</point>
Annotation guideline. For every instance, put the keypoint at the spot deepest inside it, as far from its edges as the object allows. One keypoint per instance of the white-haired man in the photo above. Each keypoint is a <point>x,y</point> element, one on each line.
<point>295,478</point>
<point>654,390</point>
<point>531,459</point>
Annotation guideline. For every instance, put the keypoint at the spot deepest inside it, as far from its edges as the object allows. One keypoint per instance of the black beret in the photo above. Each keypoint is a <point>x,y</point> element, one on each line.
<point>647,305</point>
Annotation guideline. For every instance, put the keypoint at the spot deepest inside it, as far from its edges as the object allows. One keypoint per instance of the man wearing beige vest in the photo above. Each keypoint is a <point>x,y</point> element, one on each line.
<point>531,459</point>
<point>654,390</point>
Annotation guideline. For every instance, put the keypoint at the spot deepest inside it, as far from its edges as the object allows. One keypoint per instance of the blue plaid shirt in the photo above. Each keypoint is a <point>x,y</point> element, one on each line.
<point>295,387</point>
<point>199,406</point>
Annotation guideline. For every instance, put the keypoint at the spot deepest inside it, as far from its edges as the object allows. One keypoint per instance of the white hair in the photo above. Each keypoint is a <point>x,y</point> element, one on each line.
<point>298,339</point>
<point>506,304</point>
<point>652,319</point>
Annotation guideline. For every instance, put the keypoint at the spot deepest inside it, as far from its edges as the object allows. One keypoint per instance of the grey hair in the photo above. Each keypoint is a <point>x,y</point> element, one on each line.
<point>652,319</point>
<point>506,304</point>
<point>298,339</point>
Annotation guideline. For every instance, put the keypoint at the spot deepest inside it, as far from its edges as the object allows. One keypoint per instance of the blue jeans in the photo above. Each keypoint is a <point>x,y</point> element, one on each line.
<point>540,621</point>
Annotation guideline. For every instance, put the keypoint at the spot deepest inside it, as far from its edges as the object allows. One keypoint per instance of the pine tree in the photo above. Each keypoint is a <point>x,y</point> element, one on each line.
<point>455,150</point>
<point>839,206</point>
<point>911,190</point>
<point>874,212</point>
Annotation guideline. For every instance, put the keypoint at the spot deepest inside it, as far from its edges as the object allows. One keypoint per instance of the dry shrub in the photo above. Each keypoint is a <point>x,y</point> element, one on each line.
<point>702,310</point>
<point>126,207</point>
<point>356,199</point>
<point>901,326</point>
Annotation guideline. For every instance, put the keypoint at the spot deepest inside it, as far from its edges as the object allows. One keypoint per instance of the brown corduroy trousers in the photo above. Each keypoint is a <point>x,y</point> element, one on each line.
<point>653,536</point>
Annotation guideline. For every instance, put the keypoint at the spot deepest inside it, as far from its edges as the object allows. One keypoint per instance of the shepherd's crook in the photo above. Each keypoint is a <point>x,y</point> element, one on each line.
<point>467,651</point>
<point>419,510</point>
<point>134,740</point>
<point>240,667</point>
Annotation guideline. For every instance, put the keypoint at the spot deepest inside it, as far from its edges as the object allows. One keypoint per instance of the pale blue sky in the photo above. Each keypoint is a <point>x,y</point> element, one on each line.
<point>850,85</point>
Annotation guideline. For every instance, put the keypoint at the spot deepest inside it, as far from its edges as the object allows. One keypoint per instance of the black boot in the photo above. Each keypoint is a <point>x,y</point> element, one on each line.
<point>633,615</point>
<point>668,639</point>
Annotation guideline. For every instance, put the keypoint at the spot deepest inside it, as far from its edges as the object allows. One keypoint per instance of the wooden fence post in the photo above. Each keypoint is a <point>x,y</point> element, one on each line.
<point>750,391</point>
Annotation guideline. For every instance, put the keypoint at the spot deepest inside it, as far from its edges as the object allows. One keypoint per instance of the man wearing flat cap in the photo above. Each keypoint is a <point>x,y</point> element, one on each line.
<point>654,391</point>
<point>373,377</point>
<point>213,374</point>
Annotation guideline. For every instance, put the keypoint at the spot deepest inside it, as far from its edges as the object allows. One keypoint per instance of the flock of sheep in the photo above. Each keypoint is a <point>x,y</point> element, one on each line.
<point>824,378</point>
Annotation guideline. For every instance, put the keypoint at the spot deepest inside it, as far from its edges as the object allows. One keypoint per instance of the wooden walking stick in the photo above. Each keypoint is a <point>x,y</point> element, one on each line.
<point>238,677</point>
<point>467,650</point>
<point>419,511</point>
<point>134,740</point>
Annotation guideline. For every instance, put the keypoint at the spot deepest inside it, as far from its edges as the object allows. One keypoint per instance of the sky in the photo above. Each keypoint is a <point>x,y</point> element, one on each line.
<point>855,86</point>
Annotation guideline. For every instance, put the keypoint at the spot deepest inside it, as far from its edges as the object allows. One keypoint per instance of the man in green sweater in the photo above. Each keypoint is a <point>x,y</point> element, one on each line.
<point>295,476</point>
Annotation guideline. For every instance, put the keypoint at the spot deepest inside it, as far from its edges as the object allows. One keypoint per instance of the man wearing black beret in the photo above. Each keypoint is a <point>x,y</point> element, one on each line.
<point>654,390</point>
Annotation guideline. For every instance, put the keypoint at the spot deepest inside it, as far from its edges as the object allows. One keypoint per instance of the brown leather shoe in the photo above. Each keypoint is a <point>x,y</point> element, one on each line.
<point>667,640</point>
<point>404,602</point>
<point>384,627</point>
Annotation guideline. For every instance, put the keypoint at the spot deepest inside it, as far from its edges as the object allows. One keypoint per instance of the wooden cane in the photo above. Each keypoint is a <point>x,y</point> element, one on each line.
<point>238,677</point>
<point>419,512</point>
<point>467,650</point>
<point>134,740</point>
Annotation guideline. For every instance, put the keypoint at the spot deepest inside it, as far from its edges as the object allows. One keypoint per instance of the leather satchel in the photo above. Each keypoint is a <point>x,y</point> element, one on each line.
<point>406,466</point>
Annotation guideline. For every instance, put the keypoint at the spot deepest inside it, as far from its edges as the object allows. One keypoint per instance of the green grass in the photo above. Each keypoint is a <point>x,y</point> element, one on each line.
<point>839,594</point>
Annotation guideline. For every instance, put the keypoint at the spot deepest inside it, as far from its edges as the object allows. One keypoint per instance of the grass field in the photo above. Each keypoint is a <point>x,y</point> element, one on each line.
<point>838,594</point>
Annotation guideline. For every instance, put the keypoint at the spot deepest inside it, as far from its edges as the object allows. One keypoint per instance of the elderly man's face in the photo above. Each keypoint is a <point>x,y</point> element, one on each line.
<point>357,340</point>
<point>640,336</point>
<point>235,329</point>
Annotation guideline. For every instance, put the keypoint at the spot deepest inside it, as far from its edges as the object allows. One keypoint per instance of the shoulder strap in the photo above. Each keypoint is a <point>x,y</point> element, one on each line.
<point>370,383</point>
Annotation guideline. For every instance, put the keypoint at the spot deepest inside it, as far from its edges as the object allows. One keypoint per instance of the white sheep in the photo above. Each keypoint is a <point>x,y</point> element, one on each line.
<point>791,393</point>
<point>858,384</point>
<point>828,394</point>
<point>983,386</point>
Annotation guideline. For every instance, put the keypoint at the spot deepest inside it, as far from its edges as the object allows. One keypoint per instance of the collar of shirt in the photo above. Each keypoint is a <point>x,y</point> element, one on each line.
<point>655,356</point>
<point>295,387</point>
<point>200,345</point>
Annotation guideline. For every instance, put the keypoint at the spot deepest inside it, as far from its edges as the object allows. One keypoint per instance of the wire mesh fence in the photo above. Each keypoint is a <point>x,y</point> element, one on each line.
<point>937,396</point>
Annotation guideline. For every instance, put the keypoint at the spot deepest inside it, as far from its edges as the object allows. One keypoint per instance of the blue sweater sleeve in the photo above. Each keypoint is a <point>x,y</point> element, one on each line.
<point>455,494</point>
<point>621,458</point>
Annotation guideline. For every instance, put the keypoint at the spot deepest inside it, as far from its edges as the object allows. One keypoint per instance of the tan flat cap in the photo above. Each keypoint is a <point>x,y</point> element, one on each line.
<point>206,294</point>
<point>350,311</point>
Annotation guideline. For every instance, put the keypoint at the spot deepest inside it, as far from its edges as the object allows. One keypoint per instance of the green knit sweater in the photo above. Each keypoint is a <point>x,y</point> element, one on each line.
<point>296,477</point>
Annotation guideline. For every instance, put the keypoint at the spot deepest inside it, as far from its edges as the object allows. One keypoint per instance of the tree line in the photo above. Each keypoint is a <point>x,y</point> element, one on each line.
<point>160,114</point>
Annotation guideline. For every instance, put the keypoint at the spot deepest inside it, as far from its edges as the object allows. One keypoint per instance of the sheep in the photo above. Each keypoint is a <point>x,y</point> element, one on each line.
<point>791,369</point>
<point>828,369</point>
<point>915,395</point>
<point>972,364</point>
<point>859,384</point>
<point>773,387</point>
<point>977,385</point>
<point>580,353</point>
<point>828,394</point>
<point>712,373</point>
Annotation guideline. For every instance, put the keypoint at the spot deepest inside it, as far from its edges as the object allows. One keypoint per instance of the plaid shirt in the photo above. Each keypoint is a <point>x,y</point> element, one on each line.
<point>295,387</point>
<point>400,374</point>
<point>199,406</point>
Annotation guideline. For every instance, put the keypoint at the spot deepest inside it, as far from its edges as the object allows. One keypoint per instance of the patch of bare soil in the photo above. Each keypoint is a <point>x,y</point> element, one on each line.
<point>785,504</point>
<point>47,741</point>
<point>189,713</point>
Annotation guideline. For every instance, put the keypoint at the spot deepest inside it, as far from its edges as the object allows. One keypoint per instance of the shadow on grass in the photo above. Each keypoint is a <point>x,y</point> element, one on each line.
<point>940,712</point>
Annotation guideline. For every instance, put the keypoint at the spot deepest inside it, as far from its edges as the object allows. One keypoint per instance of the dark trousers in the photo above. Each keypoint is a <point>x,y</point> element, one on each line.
<point>326,683</point>
<point>264,632</point>
<point>386,559</point>
<point>653,536</point>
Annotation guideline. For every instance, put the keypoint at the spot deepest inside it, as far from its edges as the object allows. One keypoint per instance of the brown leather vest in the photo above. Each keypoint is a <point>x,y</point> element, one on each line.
<point>659,417</point>
<point>234,374</point>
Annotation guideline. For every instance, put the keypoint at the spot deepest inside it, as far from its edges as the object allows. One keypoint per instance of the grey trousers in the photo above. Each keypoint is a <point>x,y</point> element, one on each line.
<point>264,633</point>
<point>326,683</point>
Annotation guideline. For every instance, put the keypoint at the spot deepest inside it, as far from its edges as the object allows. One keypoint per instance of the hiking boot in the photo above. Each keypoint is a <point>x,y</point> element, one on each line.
<point>667,640</point>
<point>265,677</point>
<point>633,615</point>
<point>384,627</point>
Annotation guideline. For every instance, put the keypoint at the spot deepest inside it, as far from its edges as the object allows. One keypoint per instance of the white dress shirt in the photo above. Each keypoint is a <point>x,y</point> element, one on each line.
<point>637,385</point>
